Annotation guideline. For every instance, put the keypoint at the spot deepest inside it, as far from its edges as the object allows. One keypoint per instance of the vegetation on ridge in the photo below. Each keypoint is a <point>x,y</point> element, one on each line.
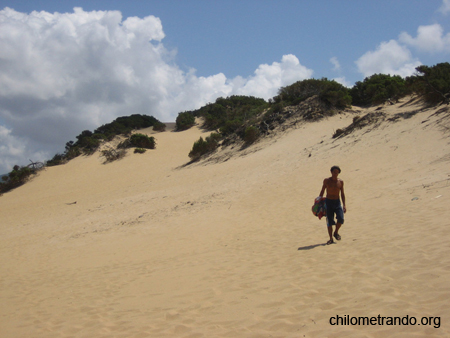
<point>247,124</point>
<point>226,114</point>
<point>246,118</point>
<point>432,83</point>
<point>138,141</point>
<point>88,142</point>
<point>17,177</point>
<point>377,89</point>
<point>329,91</point>
<point>204,146</point>
<point>185,121</point>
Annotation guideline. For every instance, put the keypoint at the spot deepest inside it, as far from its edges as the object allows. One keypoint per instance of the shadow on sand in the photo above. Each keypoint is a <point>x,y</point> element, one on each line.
<point>310,247</point>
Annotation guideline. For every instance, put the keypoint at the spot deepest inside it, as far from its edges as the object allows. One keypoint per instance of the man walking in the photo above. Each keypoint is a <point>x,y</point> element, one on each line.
<point>334,187</point>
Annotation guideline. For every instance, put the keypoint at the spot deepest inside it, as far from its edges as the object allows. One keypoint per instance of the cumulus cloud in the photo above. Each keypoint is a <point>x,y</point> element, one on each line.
<point>389,58</point>
<point>337,68</point>
<point>62,73</point>
<point>9,146</point>
<point>267,79</point>
<point>445,8</point>
<point>12,147</point>
<point>429,39</point>
<point>343,81</point>
<point>336,65</point>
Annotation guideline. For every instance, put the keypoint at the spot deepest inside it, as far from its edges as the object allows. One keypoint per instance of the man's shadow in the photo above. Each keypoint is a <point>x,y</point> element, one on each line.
<point>310,247</point>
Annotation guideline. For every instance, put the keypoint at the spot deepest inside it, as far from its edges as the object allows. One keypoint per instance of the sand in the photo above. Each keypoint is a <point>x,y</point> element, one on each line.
<point>157,248</point>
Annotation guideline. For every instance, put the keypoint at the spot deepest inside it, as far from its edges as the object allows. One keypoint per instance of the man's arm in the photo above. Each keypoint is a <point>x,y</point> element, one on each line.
<point>324,186</point>
<point>343,196</point>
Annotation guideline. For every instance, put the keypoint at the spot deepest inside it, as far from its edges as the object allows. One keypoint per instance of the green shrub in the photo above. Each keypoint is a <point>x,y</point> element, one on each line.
<point>185,121</point>
<point>124,144</point>
<point>88,142</point>
<point>276,108</point>
<point>113,155</point>
<point>90,145</point>
<point>251,134</point>
<point>377,89</point>
<point>72,153</point>
<point>159,126</point>
<point>142,141</point>
<point>58,159</point>
<point>17,177</point>
<point>205,146</point>
<point>328,91</point>
<point>236,108</point>
<point>338,132</point>
<point>139,150</point>
<point>125,124</point>
<point>335,94</point>
<point>432,83</point>
<point>198,149</point>
<point>230,127</point>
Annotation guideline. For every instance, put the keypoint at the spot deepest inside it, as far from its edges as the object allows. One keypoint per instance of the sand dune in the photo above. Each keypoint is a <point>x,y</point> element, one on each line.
<point>153,248</point>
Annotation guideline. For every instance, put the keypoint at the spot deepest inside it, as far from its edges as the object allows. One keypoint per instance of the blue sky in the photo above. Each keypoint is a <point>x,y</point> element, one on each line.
<point>64,70</point>
<point>234,37</point>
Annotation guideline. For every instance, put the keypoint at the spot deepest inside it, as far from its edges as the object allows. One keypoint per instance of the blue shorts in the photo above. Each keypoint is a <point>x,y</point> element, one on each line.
<point>334,207</point>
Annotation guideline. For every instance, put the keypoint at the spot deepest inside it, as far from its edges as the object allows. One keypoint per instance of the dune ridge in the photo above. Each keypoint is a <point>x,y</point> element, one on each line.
<point>157,248</point>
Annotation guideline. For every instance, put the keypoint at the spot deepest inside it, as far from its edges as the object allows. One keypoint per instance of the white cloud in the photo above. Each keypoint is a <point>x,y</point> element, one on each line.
<point>445,8</point>
<point>14,149</point>
<point>194,91</point>
<point>269,78</point>
<point>62,73</point>
<point>429,39</point>
<point>343,81</point>
<point>389,58</point>
<point>336,65</point>
<point>337,68</point>
<point>9,146</point>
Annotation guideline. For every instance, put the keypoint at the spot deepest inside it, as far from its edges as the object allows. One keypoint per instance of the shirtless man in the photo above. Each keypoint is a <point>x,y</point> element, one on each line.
<point>334,187</point>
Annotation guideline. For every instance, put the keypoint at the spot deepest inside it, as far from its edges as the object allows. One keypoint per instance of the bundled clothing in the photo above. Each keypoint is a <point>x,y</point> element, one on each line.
<point>319,207</point>
<point>329,208</point>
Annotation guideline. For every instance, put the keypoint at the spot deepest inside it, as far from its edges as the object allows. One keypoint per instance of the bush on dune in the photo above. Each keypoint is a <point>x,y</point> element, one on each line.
<point>159,126</point>
<point>17,177</point>
<point>432,83</point>
<point>252,133</point>
<point>113,154</point>
<point>185,121</point>
<point>139,150</point>
<point>138,141</point>
<point>88,142</point>
<point>377,89</point>
<point>125,125</point>
<point>328,91</point>
<point>204,146</point>
<point>228,113</point>
<point>142,141</point>
<point>240,117</point>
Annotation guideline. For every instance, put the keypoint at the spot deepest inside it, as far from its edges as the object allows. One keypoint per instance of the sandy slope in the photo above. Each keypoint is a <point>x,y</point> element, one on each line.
<point>155,249</point>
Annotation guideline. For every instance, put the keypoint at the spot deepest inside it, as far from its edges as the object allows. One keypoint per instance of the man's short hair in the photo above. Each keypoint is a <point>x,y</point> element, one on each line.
<point>335,167</point>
